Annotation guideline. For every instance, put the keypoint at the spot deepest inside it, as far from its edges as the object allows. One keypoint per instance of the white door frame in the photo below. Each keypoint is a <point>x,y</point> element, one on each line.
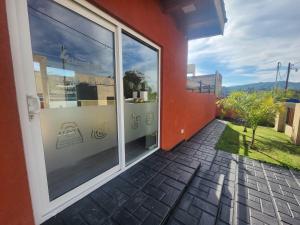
<point>19,32</point>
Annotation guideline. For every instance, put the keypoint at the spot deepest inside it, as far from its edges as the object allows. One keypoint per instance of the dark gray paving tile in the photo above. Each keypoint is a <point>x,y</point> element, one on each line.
<point>153,220</point>
<point>207,219</point>
<point>156,207</point>
<point>122,216</point>
<point>205,206</point>
<point>146,193</point>
<point>184,217</point>
<point>54,221</point>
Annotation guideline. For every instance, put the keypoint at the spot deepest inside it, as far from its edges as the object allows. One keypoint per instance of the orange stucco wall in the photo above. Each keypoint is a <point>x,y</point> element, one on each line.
<point>15,204</point>
<point>200,109</point>
<point>147,18</point>
<point>179,109</point>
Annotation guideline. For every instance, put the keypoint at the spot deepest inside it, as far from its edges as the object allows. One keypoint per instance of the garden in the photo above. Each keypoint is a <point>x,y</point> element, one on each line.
<point>250,132</point>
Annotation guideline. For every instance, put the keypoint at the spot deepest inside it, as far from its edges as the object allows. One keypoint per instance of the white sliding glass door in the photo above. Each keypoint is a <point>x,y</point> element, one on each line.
<point>74,69</point>
<point>88,90</point>
<point>140,84</point>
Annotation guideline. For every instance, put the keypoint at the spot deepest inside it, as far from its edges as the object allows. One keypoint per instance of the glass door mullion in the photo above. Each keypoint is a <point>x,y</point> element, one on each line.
<point>120,105</point>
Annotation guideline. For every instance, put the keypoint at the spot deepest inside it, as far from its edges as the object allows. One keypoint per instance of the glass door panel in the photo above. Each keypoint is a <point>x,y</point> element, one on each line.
<point>140,83</point>
<point>74,69</point>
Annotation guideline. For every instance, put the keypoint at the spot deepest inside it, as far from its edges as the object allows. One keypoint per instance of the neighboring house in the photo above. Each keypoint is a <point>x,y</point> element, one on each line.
<point>191,70</point>
<point>288,120</point>
<point>66,124</point>
<point>211,83</point>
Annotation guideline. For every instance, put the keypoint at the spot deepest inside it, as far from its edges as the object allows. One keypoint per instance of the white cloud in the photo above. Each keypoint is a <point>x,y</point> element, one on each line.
<point>258,34</point>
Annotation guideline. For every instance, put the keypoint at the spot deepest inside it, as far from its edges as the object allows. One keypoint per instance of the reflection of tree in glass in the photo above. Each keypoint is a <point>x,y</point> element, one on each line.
<point>134,81</point>
<point>152,96</point>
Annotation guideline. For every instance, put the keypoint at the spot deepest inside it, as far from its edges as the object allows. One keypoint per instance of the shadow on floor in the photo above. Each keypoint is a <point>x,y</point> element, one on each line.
<point>246,145</point>
<point>230,141</point>
<point>284,146</point>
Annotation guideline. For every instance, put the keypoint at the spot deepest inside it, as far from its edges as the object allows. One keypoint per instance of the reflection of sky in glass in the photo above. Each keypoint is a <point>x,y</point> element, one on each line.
<point>60,72</point>
<point>36,66</point>
<point>70,41</point>
<point>140,57</point>
<point>54,71</point>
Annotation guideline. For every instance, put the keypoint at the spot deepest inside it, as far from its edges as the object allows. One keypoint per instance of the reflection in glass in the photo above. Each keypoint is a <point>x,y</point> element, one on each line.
<point>140,82</point>
<point>75,81</point>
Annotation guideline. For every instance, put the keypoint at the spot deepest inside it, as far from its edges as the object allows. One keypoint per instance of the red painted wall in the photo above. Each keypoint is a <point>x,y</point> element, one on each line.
<point>180,109</point>
<point>147,18</point>
<point>15,204</point>
<point>200,109</point>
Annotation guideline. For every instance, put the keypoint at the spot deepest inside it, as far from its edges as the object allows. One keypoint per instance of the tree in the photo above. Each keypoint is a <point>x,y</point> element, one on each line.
<point>283,95</point>
<point>237,102</point>
<point>133,81</point>
<point>262,108</point>
<point>253,108</point>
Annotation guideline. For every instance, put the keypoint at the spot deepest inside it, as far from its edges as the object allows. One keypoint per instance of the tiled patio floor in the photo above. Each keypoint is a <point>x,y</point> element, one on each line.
<point>193,184</point>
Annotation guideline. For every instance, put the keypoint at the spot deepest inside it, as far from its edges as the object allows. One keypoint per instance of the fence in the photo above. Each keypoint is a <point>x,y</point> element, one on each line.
<point>199,86</point>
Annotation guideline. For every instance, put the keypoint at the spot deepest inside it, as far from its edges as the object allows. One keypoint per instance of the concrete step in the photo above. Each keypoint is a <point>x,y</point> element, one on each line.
<point>178,199</point>
<point>199,203</point>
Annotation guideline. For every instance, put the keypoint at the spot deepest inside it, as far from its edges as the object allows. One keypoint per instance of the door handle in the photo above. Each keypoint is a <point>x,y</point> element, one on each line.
<point>33,105</point>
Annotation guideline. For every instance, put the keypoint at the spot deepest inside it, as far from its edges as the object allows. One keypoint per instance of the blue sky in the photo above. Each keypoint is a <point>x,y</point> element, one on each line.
<point>258,34</point>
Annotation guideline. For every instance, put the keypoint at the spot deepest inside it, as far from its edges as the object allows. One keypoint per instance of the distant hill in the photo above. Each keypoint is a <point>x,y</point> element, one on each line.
<point>262,86</point>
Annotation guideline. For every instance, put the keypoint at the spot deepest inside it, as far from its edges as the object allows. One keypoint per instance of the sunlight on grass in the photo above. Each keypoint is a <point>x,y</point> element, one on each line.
<point>271,146</point>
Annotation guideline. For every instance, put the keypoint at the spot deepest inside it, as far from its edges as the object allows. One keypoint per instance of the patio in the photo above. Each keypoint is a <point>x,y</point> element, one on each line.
<point>193,184</point>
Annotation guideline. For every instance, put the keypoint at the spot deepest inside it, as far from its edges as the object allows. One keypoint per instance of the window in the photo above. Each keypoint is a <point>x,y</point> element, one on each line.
<point>140,84</point>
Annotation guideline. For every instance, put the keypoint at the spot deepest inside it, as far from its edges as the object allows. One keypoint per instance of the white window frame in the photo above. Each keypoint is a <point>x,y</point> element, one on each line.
<point>19,32</point>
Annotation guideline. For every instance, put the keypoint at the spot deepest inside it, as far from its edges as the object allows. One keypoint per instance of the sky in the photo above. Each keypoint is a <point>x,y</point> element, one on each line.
<point>258,34</point>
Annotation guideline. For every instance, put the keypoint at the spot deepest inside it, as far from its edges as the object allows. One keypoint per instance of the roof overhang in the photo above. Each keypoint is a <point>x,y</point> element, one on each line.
<point>197,18</point>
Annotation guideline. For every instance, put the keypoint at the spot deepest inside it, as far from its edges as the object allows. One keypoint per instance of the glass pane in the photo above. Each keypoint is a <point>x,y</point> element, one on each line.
<point>140,81</point>
<point>75,81</point>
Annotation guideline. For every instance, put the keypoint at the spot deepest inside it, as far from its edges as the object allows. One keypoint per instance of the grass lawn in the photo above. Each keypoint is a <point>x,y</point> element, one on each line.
<point>271,146</point>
